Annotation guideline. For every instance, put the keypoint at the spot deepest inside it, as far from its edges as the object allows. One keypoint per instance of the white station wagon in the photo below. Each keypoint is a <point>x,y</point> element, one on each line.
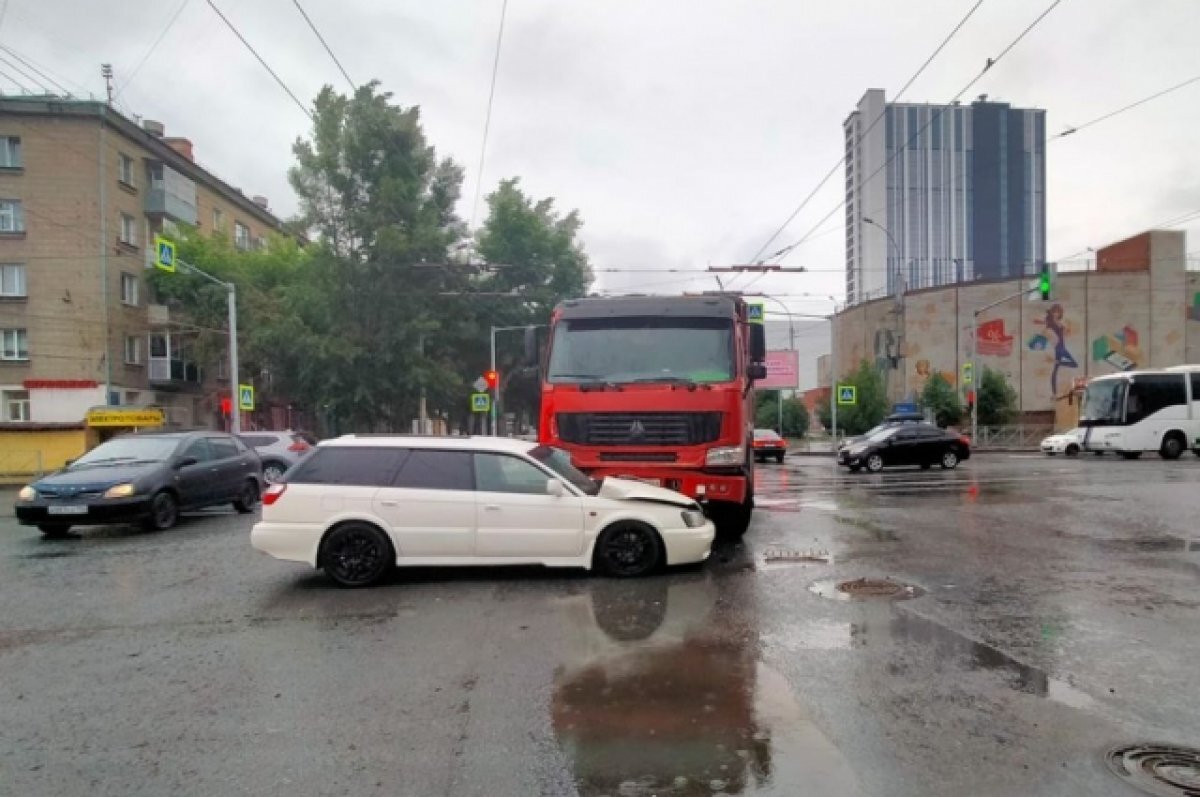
<point>359,505</point>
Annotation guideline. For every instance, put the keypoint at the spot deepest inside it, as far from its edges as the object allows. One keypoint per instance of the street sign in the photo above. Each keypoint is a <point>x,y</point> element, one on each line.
<point>246,397</point>
<point>481,402</point>
<point>164,253</point>
<point>968,373</point>
<point>847,394</point>
<point>754,312</point>
<point>480,385</point>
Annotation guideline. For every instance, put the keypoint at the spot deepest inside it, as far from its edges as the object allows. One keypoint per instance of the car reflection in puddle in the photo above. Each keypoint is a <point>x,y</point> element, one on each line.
<point>669,698</point>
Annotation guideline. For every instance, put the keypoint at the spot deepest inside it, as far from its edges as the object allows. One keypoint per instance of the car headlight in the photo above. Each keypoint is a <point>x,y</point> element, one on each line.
<point>693,518</point>
<point>730,455</point>
<point>857,450</point>
<point>27,494</point>
<point>119,491</point>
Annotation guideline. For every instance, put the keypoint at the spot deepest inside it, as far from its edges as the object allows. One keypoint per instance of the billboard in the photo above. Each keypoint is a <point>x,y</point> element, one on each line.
<point>783,371</point>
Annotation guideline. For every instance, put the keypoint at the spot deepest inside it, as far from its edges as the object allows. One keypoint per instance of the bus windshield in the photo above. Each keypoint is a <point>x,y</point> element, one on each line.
<point>1104,403</point>
<point>635,349</point>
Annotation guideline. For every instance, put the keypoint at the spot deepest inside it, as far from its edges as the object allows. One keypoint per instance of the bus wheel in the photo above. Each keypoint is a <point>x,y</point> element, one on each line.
<point>1172,446</point>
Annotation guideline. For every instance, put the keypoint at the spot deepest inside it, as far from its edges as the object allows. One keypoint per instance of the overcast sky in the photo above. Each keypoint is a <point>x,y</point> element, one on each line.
<point>684,131</point>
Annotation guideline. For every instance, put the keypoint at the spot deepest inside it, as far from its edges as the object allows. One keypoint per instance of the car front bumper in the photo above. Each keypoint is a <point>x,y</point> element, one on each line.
<point>687,546</point>
<point>97,511</point>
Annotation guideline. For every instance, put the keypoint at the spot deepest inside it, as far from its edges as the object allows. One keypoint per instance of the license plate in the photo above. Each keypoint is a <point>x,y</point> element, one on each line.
<point>68,509</point>
<point>652,482</point>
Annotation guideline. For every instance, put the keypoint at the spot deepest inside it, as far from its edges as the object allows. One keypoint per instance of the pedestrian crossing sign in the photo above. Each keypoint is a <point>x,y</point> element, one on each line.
<point>754,312</point>
<point>847,394</point>
<point>481,402</point>
<point>164,253</point>
<point>245,397</point>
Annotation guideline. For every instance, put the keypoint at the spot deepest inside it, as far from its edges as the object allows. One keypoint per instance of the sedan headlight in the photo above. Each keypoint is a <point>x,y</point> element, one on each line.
<point>858,450</point>
<point>119,491</point>
<point>27,494</point>
<point>693,518</point>
<point>730,455</point>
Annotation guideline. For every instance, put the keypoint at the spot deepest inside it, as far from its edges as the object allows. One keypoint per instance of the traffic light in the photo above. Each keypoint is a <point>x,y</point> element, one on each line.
<point>1045,284</point>
<point>492,378</point>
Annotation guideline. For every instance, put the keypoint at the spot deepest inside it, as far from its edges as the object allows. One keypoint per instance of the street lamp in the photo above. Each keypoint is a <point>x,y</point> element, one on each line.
<point>891,240</point>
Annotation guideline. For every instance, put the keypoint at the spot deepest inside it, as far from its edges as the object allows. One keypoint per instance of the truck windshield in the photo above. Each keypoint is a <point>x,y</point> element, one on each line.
<point>642,350</point>
<point>1104,403</point>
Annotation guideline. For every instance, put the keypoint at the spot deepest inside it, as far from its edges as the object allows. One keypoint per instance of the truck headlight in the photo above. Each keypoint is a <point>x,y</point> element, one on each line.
<point>27,494</point>
<point>693,518</point>
<point>119,491</point>
<point>729,455</point>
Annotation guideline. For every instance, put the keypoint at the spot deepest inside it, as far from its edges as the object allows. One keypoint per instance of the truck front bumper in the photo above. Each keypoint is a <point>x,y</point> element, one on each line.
<point>700,485</point>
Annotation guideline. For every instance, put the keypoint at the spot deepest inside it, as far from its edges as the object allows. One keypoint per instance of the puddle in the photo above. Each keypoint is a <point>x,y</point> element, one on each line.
<point>824,506</point>
<point>817,635</point>
<point>870,526</point>
<point>688,710</point>
<point>950,644</point>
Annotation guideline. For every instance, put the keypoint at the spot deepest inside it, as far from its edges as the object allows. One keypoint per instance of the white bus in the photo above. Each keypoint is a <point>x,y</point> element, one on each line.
<point>1139,411</point>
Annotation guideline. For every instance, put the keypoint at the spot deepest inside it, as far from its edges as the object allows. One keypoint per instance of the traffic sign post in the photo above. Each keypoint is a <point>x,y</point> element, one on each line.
<point>847,395</point>
<point>481,402</point>
<point>968,373</point>
<point>246,397</point>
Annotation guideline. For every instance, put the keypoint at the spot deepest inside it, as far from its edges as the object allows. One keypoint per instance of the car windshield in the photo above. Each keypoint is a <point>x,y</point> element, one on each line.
<point>1104,402</point>
<point>128,449</point>
<point>642,350</point>
<point>559,461</point>
<point>882,434</point>
<point>765,434</point>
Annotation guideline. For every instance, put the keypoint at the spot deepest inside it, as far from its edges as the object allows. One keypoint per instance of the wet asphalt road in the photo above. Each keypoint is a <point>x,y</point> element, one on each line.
<point>1060,616</point>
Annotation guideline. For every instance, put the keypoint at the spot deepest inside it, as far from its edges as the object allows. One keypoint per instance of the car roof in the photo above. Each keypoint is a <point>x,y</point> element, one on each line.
<point>508,444</point>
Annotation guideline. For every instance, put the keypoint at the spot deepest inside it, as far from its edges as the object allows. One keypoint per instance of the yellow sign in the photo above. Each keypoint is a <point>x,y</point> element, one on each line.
<point>164,253</point>
<point>755,312</point>
<point>246,397</point>
<point>124,416</point>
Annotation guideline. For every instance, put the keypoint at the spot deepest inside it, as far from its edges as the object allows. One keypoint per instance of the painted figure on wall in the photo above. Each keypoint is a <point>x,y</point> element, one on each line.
<point>1055,328</point>
<point>1120,349</point>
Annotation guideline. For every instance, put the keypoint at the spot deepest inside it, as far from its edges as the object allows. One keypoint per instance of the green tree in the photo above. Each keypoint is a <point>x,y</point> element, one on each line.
<point>825,414</point>
<point>795,414</point>
<point>940,397</point>
<point>997,399</point>
<point>871,405</point>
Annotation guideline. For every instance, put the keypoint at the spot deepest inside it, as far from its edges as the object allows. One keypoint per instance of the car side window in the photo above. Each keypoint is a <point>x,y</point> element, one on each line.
<point>257,441</point>
<point>351,466</point>
<point>431,469</point>
<point>198,450</point>
<point>222,448</point>
<point>500,473</point>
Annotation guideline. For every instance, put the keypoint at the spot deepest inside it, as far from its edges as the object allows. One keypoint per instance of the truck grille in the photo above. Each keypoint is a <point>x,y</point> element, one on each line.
<point>639,428</point>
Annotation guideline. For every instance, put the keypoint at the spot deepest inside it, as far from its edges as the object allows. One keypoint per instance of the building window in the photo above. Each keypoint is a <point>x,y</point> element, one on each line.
<point>14,344</point>
<point>11,217</point>
<point>218,220</point>
<point>133,350</point>
<point>241,235</point>
<point>10,152</point>
<point>12,280</point>
<point>128,230</point>
<point>16,405</point>
<point>125,170</point>
<point>129,289</point>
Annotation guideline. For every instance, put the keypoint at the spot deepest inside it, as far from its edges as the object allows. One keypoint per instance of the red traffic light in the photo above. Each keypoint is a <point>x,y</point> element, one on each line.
<point>492,378</point>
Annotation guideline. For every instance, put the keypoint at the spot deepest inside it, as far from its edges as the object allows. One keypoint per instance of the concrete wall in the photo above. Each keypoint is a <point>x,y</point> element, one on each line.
<point>1098,322</point>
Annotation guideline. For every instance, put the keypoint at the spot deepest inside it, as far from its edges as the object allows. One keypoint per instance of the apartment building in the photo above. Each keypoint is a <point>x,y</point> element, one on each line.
<point>83,192</point>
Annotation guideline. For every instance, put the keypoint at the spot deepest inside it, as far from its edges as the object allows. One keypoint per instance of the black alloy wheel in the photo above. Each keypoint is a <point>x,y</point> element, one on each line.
<point>164,512</point>
<point>628,550</point>
<point>356,555</point>
<point>247,498</point>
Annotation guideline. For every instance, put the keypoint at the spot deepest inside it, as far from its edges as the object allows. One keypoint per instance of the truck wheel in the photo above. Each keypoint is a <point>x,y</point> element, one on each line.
<point>732,520</point>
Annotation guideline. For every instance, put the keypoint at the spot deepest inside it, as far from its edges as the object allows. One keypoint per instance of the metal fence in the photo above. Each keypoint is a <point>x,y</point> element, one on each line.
<point>1019,436</point>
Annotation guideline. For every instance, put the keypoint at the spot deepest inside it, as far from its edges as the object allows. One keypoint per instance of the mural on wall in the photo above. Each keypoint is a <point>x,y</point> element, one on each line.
<point>1120,349</point>
<point>887,355</point>
<point>1055,327</point>
<point>991,339</point>
<point>922,370</point>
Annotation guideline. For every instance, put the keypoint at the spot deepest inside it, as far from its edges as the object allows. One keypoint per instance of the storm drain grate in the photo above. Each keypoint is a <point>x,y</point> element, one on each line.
<point>782,556</point>
<point>1158,769</point>
<point>883,589</point>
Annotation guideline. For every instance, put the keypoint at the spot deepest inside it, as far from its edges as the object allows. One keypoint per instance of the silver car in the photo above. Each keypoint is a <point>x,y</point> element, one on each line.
<point>277,450</point>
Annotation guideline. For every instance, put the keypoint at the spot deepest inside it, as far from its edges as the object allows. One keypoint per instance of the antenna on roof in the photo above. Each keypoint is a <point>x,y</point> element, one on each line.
<point>106,72</point>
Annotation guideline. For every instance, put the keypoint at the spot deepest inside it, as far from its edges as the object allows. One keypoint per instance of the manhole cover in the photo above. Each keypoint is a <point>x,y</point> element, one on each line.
<point>1159,769</point>
<point>883,589</point>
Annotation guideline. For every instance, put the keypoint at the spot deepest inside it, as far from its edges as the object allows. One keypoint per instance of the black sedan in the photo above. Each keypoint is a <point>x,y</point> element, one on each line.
<point>911,444</point>
<point>146,478</point>
<point>895,419</point>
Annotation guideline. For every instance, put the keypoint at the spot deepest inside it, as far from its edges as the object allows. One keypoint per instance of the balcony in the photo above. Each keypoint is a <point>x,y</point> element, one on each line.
<point>170,195</point>
<point>172,374</point>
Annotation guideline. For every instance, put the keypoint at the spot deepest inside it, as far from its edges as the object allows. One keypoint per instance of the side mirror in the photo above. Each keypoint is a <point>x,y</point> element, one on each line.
<point>756,371</point>
<point>758,343</point>
<point>555,488</point>
<point>185,462</point>
<point>531,346</point>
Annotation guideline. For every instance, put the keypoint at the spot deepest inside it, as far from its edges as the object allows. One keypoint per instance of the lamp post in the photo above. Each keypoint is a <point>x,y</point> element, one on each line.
<point>899,291</point>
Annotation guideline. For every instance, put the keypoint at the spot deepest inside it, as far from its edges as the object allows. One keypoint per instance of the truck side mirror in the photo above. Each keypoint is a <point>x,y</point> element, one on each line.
<point>756,371</point>
<point>758,343</point>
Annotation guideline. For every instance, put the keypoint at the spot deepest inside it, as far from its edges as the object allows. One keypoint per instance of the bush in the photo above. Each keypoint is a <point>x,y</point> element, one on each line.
<point>940,397</point>
<point>872,403</point>
<point>795,414</point>
<point>997,399</point>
